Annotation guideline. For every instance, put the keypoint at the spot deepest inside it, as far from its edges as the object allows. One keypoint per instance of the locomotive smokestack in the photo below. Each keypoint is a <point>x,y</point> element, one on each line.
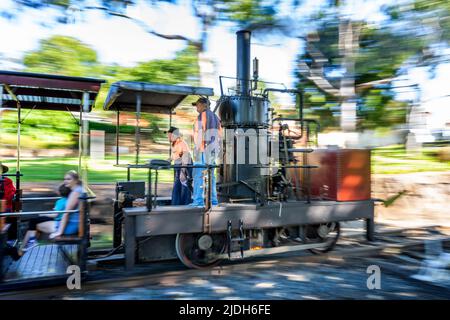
<point>243,61</point>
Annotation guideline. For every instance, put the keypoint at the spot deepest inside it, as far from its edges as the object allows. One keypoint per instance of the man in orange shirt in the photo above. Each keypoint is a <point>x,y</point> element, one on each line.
<point>181,155</point>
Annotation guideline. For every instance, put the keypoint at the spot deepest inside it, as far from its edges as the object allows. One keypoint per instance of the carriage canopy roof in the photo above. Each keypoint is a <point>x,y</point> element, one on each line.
<point>155,98</point>
<point>46,91</point>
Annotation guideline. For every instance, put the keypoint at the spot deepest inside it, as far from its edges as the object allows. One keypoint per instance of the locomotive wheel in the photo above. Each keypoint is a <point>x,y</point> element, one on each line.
<point>198,250</point>
<point>326,232</point>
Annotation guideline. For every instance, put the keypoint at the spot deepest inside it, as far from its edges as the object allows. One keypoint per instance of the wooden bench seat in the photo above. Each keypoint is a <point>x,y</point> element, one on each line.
<point>81,238</point>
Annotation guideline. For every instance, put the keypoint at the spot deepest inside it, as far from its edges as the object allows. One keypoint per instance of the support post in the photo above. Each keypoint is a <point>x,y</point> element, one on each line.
<point>155,203</point>
<point>370,229</point>
<point>170,143</point>
<point>17,207</point>
<point>19,124</point>
<point>117,215</point>
<point>80,139</point>
<point>206,214</point>
<point>149,190</point>
<point>130,241</point>
<point>84,140</point>
<point>83,249</point>
<point>138,129</point>
<point>117,136</point>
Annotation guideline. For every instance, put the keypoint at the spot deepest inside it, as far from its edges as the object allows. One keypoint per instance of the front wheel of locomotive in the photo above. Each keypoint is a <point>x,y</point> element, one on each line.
<point>199,250</point>
<point>327,233</point>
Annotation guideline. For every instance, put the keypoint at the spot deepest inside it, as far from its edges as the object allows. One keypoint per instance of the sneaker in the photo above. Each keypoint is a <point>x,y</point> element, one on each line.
<point>11,243</point>
<point>195,205</point>
<point>31,244</point>
<point>12,252</point>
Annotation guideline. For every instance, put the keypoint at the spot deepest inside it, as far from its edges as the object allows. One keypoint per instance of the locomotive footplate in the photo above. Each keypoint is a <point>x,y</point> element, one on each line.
<point>179,220</point>
<point>186,219</point>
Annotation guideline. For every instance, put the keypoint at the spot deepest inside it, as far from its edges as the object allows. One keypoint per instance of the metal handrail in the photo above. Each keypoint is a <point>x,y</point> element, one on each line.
<point>33,213</point>
<point>250,81</point>
<point>288,166</point>
<point>304,150</point>
<point>11,175</point>
<point>152,202</point>
<point>40,198</point>
<point>148,166</point>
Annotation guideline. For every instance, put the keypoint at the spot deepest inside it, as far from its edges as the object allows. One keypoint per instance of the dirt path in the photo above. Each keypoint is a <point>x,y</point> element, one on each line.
<point>425,198</point>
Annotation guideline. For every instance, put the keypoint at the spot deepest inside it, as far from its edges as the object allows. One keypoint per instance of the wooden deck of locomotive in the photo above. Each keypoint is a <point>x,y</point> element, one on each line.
<point>42,261</point>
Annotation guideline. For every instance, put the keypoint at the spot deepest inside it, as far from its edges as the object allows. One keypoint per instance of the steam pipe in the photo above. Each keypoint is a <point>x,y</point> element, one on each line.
<point>299,94</point>
<point>243,61</point>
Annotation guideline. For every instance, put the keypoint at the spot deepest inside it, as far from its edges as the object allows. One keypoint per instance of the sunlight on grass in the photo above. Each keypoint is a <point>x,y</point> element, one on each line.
<point>386,160</point>
<point>99,171</point>
<point>396,159</point>
<point>103,240</point>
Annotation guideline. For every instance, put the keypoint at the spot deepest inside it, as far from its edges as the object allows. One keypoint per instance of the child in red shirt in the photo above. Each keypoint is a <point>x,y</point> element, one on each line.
<point>7,191</point>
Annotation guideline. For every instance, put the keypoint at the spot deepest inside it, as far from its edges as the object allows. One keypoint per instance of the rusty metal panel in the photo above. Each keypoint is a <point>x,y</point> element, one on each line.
<point>343,174</point>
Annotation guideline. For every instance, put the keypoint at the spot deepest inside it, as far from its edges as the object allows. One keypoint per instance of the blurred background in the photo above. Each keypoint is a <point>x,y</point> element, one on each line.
<point>375,75</point>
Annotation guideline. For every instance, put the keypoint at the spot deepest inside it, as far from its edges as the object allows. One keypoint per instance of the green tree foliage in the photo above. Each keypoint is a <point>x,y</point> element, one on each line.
<point>378,60</point>
<point>251,14</point>
<point>68,56</point>
<point>42,129</point>
<point>63,55</point>
<point>182,69</point>
<point>379,109</point>
<point>428,21</point>
<point>424,18</point>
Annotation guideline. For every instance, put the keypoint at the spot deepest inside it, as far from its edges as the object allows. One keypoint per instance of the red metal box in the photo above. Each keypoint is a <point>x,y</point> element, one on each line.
<point>343,174</point>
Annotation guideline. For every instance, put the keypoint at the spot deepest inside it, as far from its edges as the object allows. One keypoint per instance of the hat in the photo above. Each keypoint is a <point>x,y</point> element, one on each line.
<point>201,100</point>
<point>171,130</point>
<point>4,168</point>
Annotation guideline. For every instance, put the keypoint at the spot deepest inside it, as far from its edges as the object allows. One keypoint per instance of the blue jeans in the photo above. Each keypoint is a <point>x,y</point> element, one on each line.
<point>181,194</point>
<point>198,182</point>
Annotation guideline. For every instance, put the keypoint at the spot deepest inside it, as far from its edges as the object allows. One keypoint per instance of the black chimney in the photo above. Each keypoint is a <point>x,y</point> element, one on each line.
<point>243,62</point>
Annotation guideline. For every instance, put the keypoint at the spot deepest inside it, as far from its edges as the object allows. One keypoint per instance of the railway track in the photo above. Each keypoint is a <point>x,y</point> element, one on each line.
<point>392,249</point>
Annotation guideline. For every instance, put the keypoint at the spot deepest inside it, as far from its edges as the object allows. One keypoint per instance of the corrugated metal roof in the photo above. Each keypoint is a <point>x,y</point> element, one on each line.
<point>155,98</point>
<point>46,91</point>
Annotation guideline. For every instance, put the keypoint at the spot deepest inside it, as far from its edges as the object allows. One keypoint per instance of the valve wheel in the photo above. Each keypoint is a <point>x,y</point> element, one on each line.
<point>200,251</point>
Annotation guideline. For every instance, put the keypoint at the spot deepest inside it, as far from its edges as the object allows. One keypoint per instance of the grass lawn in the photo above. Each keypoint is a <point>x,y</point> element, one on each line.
<point>99,171</point>
<point>395,159</point>
<point>386,160</point>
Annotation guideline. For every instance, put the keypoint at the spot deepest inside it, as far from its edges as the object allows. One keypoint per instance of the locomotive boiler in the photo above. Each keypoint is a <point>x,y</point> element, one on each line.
<point>245,120</point>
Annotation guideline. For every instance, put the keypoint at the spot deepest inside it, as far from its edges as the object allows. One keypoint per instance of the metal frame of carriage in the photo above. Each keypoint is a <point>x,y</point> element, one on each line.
<point>32,91</point>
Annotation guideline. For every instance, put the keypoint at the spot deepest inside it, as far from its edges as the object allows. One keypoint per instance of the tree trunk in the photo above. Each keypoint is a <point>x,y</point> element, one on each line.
<point>207,74</point>
<point>348,45</point>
